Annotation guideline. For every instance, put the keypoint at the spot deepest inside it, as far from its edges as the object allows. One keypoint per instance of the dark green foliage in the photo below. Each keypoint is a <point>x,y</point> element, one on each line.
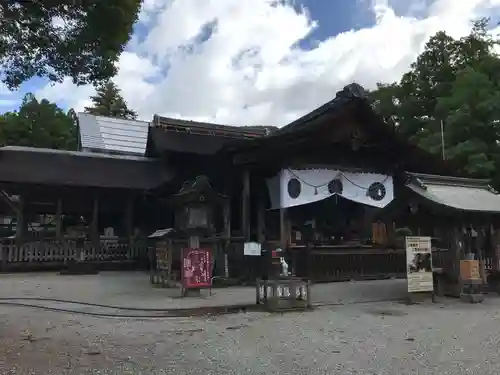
<point>81,39</point>
<point>454,84</point>
<point>38,124</point>
<point>109,102</point>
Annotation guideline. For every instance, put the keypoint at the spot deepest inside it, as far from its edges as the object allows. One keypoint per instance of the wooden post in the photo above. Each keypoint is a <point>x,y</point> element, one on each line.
<point>261,265</point>
<point>495,244</point>
<point>261,219</point>
<point>458,248</point>
<point>129,225</point>
<point>59,219</point>
<point>94,226</point>
<point>245,211</point>
<point>480,241</point>
<point>21,222</point>
<point>284,230</point>
<point>227,235</point>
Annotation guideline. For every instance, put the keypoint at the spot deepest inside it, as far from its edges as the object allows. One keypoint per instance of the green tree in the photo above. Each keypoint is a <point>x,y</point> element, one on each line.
<point>54,39</point>
<point>38,124</point>
<point>453,85</point>
<point>109,102</point>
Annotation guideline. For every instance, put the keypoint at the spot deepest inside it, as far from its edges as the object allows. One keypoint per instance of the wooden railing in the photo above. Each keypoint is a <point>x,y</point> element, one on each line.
<point>52,251</point>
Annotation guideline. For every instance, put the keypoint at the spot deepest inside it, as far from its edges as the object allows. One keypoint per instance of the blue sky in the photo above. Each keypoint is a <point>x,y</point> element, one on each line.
<point>333,17</point>
<point>173,66</point>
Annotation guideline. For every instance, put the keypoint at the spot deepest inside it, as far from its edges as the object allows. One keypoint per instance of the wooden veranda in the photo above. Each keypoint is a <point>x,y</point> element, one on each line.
<point>51,198</point>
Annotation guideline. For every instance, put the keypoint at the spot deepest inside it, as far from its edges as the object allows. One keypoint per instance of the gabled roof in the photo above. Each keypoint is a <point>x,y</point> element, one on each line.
<point>463,194</point>
<point>352,101</point>
<point>202,138</point>
<point>112,135</point>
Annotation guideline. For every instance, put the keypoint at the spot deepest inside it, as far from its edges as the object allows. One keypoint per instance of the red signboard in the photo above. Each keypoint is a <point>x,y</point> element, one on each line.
<point>196,268</point>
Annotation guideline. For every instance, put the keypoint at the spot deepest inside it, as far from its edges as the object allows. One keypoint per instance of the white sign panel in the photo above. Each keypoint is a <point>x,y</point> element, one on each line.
<point>252,248</point>
<point>419,264</point>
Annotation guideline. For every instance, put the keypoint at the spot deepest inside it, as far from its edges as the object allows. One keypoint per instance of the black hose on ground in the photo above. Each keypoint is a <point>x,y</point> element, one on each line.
<point>80,303</point>
<point>94,314</point>
<point>161,313</point>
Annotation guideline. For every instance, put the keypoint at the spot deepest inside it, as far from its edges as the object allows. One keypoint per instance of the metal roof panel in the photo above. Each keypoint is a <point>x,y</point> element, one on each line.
<point>109,134</point>
<point>461,194</point>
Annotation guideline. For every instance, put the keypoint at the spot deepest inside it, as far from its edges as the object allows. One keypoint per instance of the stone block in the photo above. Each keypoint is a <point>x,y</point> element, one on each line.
<point>471,298</point>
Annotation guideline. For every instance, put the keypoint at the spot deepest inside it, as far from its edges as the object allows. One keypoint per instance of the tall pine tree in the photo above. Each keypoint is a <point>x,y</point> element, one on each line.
<point>109,102</point>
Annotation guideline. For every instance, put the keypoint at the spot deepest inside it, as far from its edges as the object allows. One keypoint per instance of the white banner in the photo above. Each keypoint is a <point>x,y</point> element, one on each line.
<point>419,264</point>
<point>295,187</point>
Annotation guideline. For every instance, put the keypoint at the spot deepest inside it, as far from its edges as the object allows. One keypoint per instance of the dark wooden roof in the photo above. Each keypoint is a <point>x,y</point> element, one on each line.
<point>351,102</point>
<point>26,165</point>
<point>174,135</point>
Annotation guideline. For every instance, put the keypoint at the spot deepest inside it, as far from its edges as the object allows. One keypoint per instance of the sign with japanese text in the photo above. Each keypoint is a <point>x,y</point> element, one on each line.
<point>196,268</point>
<point>252,249</point>
<point>469,270</point>
<point>419,264</point>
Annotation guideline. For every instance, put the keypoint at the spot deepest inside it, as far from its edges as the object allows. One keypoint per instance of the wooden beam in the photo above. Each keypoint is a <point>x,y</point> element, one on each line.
<point>129,222</point>
<point>94,225</point>
<point>227,235</point>
<point>284,228</point>
<point>245,209</point>
<point>59,219</point>
<point>261,219</point>
<point>227,219</point>
<point>495,244</point>
<point>21,221</point>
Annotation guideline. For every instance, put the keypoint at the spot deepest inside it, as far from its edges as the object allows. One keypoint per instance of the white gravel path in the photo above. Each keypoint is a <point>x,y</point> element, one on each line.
<point>133,289</point>
<point>377,338</point>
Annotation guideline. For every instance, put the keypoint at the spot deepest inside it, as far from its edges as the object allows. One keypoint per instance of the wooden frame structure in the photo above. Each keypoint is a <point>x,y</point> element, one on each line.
<point>345,134</point>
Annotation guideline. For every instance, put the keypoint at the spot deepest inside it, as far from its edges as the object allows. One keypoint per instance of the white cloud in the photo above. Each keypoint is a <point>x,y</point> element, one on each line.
<point>250,69</point>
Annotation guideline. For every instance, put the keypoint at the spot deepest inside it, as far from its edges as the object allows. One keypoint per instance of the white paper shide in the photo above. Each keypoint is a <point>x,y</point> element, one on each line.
<point>419,264</point>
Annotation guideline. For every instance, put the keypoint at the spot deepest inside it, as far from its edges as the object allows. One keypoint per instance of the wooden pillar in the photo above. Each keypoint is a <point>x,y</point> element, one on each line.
<point>59,219</point>
<point>480,243</point>
<point>260,263</point>
<point>21,224</point>
<point>459,251</point>
<point>284,228</point>
<point>261,219</point>
<point>227,235</point>
<point>94,226</point>
<point>495,247</point>
<point>245,210</point>
<point>129,225</point>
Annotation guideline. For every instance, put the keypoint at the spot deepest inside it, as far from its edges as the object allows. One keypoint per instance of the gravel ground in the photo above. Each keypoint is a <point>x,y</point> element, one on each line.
<point>374,338</point>
<point>134,289</point>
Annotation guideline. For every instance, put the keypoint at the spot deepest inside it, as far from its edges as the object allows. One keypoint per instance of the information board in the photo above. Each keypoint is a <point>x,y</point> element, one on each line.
<point>469,270</point>
<point>419,264</point>
<point>252,249</point>
<point>196,268</point>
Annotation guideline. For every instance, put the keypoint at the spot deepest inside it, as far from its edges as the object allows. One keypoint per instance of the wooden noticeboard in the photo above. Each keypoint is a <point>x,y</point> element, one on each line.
<point>469,270</point>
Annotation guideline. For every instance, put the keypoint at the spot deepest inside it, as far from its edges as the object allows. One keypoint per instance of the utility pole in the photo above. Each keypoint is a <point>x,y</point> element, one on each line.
<point>442,139</point>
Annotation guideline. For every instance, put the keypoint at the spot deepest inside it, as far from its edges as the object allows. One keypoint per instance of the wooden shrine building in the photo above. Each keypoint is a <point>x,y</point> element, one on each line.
<point>337,190</point>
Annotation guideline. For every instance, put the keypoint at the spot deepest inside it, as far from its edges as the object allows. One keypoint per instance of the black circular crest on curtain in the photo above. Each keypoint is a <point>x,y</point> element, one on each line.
<point>335,186</point>
<point>377,191</point>
<point>294,188</point>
